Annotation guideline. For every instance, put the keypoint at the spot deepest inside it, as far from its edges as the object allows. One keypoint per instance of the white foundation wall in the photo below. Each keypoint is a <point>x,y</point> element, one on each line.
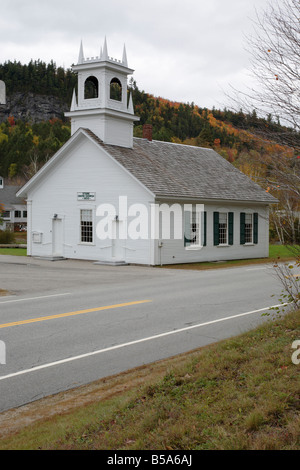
<point>172,251</point>
<point>84,168</point>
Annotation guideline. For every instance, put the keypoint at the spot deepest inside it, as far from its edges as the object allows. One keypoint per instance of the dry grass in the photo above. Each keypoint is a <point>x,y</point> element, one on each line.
<point>239,394</point>
<point>3,292</point>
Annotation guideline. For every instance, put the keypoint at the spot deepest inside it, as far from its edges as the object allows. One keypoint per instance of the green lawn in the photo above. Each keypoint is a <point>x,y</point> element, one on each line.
<point>275,252</point>
<point>13,251</point>
<point>281,251</point>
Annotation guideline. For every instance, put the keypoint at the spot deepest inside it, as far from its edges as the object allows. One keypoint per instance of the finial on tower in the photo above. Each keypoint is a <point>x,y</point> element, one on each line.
<point>74,101</point>
<point>104,52</point>
<point>81,56</point>
<point>124,60</point>
<point>130,105</point>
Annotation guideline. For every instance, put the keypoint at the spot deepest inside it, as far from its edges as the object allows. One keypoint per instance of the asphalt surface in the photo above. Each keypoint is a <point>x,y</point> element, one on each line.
<point>67,323</point>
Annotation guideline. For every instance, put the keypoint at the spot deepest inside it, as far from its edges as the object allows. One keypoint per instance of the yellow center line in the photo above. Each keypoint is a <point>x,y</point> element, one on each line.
<point>69,314</point>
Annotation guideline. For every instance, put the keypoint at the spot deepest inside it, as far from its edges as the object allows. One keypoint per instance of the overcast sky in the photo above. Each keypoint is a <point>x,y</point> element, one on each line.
<point>182,50</point>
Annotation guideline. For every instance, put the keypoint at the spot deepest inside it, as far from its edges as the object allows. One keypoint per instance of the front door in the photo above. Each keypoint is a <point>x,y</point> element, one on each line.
<point>117,243</point>
<point>57,237</point>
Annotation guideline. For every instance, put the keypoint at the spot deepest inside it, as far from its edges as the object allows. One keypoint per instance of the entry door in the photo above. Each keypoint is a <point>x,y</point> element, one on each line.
<point>117,244</point>
<point>57,237</point>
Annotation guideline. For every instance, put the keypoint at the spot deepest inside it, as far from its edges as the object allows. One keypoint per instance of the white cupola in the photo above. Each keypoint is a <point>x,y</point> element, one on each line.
<point>102,104</point>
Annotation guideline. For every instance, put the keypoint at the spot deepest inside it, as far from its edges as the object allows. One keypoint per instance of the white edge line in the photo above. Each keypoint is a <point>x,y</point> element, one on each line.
<point>131,343</point>
<point>33,298</point>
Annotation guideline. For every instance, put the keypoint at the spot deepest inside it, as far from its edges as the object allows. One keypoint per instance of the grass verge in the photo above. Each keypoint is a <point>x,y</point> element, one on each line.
<point>3,292</point>
<point>238,394</point>
<point>13,251</point>
<point>275,252</point>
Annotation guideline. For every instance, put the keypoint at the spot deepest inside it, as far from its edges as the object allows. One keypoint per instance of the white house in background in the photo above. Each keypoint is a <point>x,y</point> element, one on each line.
<point>109,197</point>
<point>14,209</point>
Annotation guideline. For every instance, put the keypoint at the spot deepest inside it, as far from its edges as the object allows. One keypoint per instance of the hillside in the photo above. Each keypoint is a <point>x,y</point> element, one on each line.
<point>32,124</point>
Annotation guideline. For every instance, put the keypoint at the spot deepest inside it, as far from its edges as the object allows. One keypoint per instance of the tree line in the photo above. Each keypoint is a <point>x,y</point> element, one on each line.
<point>38,77</point>
<point>251,143</point>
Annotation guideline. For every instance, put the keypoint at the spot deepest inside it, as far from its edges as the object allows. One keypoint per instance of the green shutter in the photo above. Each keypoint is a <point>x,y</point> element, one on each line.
<point>216,228</point>
<point>204,228</point>
<point>230,228</point>
<point>255,227</point>
<point>187,228</point>
<point>242,228</point>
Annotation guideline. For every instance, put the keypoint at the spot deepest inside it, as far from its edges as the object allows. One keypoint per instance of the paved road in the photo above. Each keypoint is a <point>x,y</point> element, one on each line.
<point>68,323</point>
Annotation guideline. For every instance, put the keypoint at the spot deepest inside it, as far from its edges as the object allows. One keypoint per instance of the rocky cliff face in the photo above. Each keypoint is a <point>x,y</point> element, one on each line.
<point>31,107</point>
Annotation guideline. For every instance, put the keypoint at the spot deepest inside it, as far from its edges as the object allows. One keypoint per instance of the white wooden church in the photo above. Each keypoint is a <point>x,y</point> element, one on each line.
<point>112,198</point>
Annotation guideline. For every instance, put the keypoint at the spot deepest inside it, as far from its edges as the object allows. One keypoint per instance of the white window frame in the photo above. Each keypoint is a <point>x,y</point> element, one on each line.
<point>195,228</point>
<point>249,229</point>
<point>223,231</point>
<point>92,219</point>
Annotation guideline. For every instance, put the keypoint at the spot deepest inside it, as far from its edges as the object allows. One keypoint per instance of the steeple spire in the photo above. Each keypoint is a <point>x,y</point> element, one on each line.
<point>124,60</point>
<point>104,52</point>
<point>130,105</point>
<point>74,101</point>
<point>81,56</point>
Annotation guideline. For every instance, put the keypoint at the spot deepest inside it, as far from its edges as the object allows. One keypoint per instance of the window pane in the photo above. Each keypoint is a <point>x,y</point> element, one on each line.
<point>248,228</point>
<point>195,228</point>
<point>86,224</point>
<point>223,228</point>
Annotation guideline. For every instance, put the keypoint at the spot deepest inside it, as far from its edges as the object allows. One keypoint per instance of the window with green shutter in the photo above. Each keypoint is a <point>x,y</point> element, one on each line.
<point>194,229</point>
<point>223,228</point>
<point>248,228</point>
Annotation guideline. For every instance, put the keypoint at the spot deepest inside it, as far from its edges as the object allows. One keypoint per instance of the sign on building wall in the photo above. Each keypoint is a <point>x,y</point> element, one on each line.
<point>86,196</point>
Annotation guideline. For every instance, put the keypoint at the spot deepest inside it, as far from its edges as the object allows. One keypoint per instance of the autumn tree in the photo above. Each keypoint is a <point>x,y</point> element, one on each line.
<point>274,49</point>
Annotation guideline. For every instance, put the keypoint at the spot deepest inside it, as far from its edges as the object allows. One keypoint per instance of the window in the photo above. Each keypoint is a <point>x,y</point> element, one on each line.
<point>25,214</point>
<point>248,228</point>
<point>86,226</point>
<point>223,228</point>
<point>6,214</point>
<point>91,87</point>
<point>18,214</point>
<point>115,89</point>
<point>194,229</point>
<point>1,182</point>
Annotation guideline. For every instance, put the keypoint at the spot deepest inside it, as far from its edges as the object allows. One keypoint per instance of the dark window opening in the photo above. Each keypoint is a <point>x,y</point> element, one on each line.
<point>115,89</point>
<point>91,88</point>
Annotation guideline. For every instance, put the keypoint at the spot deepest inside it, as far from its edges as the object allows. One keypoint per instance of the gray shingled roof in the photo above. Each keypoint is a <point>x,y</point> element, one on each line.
<point>183,171</point>
<point>8,196</point>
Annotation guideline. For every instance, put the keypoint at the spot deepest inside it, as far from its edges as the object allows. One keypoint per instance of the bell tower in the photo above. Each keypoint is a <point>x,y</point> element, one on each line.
<point>102,104</point>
